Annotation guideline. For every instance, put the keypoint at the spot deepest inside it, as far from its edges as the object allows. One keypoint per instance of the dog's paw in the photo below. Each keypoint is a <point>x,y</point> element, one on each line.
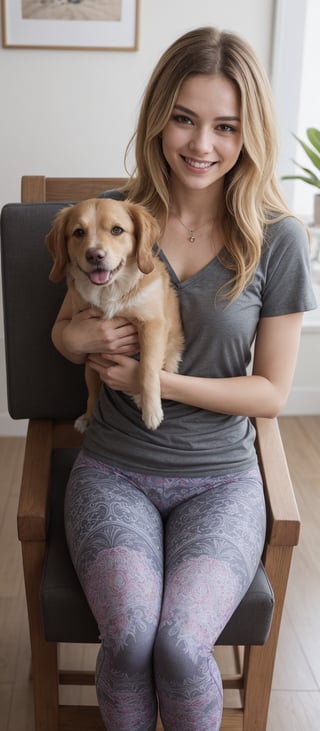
<point>152,417</point>
<point>152,414</point>
<point>81,423</point>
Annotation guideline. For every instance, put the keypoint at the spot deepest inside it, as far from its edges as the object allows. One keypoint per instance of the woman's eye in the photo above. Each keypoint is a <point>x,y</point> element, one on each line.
<point>79,233</point>
<point>226,128</point>
<point>182,119</point>
<point>117,230</point>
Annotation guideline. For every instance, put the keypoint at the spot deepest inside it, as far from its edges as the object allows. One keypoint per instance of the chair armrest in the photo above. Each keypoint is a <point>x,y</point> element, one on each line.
<point>283,515</point>
<point>43,436</point>
<point>34,493</point>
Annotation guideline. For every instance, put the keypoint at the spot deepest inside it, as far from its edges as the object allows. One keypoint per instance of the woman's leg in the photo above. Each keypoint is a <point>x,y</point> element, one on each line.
<point>213,545</point>
<point>115,537</point>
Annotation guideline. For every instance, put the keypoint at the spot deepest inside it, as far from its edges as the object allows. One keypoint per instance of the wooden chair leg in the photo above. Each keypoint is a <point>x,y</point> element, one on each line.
<point>258,677</point>
<point>259,660</point>
<point>44,654</point>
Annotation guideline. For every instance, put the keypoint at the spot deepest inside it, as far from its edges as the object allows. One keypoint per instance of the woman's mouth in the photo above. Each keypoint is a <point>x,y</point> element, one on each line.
<point>197,164</point>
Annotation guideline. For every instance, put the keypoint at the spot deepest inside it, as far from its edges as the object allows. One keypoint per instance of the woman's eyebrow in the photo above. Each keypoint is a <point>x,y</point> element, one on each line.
<point>227,118</point>
<point>224,118</point>
<point>181,108</point>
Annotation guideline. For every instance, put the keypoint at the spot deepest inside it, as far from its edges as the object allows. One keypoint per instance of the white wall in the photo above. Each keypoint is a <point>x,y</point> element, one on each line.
<point>71,113</point>
<point>309,108</point>
<point>295,80</point>
<point>296,58</point>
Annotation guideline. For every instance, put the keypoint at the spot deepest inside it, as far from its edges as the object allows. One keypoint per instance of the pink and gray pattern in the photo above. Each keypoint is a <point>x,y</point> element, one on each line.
<point>163,562</point>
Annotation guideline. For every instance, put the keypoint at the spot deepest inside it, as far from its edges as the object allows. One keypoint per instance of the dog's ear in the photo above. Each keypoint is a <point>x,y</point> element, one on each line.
<point>56,242</point>
<point>147,233</point>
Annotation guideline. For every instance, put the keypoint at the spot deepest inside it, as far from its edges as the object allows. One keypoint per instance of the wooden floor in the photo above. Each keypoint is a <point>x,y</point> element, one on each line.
<point>295,702</point>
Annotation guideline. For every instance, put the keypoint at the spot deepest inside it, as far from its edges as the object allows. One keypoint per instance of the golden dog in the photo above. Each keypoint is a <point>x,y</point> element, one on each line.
<point>104,248</point>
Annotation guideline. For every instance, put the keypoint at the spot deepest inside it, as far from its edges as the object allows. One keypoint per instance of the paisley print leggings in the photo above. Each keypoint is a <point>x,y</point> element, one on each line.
<point>163,562</point>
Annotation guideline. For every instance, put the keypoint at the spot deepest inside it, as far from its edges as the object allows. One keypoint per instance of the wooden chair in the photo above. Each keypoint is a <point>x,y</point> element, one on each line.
<point>46,389</point>
<point>38,188</point>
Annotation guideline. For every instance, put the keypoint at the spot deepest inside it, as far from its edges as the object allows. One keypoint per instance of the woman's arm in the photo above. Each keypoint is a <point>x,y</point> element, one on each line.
<point>75,336</point>
<point>264,393</point>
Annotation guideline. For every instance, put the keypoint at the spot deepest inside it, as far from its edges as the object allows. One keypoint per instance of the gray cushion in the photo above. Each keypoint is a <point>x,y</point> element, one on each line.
<point>47,386</point>
<point>66,615</point>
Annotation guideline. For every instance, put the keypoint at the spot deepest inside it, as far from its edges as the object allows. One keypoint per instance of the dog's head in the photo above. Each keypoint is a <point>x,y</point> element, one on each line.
<point>100,236</point>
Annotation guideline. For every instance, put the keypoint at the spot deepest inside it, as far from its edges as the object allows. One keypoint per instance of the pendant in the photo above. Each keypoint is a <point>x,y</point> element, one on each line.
<point>192,237</point>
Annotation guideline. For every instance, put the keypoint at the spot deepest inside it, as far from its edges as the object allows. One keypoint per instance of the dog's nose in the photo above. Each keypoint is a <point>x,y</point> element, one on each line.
<point>95,256</point>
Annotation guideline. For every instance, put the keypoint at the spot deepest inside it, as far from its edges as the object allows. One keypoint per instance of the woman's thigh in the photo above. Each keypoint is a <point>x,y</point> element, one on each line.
<point>213,545</point>
<point>115,538</point>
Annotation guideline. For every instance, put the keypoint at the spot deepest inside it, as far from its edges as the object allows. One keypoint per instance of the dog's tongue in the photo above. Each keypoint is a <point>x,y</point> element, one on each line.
<point>99,276</point>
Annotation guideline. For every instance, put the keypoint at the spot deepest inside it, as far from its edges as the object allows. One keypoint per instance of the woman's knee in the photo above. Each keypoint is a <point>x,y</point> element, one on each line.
<point>172,658</point>
<point>135,654</point>
<point>191,683</point>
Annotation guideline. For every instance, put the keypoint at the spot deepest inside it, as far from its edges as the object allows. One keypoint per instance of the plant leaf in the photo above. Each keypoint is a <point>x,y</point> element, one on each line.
<point>309,172</point>
<point>311,181</point>
<point>311,154</point>
<point>311,178</point>
<point>313,135</point>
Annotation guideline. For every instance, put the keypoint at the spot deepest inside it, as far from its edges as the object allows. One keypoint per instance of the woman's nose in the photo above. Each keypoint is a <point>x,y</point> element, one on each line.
<point>203,140</point>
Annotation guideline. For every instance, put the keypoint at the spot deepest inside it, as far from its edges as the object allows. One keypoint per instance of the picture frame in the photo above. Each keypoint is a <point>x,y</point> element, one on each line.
<point>71,24</point>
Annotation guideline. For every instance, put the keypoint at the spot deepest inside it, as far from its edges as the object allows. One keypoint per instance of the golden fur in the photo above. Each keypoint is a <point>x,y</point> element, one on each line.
<point>104,248</point>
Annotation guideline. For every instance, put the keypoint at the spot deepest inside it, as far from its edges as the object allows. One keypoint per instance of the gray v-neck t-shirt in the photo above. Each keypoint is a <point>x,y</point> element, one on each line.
<point>218,344</point>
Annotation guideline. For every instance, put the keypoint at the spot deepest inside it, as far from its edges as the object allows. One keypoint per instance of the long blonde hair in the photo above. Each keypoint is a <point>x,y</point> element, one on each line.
<point>252,195</point>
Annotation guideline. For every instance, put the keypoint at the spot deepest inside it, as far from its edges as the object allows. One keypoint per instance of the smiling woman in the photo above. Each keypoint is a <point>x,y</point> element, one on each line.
<point>183,503</point>
<point>202,140</point>
<point>201,143</point>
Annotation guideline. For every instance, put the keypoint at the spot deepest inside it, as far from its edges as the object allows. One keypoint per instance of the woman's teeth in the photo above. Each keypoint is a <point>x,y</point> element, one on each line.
<point>197,164</point>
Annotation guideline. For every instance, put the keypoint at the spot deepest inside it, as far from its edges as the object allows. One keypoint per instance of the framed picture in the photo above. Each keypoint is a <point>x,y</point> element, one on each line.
<point>102,25</point>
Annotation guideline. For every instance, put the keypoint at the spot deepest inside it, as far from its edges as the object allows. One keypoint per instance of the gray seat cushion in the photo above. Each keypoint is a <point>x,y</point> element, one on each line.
<point>66,614</point>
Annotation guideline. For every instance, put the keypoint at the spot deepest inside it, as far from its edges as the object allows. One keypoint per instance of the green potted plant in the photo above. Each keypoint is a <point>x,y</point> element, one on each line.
<point>309,176</point>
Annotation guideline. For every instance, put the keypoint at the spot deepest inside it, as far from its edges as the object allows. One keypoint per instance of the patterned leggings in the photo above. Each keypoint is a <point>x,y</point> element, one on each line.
<point>163,562</point>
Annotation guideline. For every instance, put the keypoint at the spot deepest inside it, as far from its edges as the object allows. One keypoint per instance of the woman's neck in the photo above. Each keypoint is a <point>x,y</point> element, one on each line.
<point>196,207</point>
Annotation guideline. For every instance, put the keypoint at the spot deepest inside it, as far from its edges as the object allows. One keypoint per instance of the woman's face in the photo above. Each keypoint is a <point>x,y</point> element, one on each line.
<point>202,140</point>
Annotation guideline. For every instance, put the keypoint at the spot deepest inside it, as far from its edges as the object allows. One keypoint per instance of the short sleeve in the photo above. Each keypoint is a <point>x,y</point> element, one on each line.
<point>286,270</point>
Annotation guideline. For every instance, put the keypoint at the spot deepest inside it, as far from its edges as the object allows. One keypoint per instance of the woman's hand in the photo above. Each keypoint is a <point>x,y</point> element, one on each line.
<point>76,335</point>
<point>122,374</point>
<point>87,332</point>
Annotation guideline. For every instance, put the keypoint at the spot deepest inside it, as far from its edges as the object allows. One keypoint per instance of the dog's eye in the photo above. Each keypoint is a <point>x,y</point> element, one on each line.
<point>78,233</point>
<point>117,230</point>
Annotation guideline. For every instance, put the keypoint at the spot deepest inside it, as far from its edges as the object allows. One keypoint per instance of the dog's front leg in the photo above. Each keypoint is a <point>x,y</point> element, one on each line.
<point>93,384</point>
<point>152,337</point>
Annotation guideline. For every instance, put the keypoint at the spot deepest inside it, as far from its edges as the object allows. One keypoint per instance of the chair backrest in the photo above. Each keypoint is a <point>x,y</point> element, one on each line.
<point>40,382</point>
<point>38,188</point>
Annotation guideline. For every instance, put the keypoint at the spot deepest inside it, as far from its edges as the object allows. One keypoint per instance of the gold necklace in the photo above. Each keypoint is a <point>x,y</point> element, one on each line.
<point>192,231</point>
